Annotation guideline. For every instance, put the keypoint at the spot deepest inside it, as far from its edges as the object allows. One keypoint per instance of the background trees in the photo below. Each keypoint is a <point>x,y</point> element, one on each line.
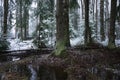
<point>86,21</point>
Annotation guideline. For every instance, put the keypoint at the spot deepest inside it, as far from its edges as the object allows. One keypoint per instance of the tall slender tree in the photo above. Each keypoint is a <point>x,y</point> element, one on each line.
<point>111,43</point>
<point>82,7</point>
<point>107,16</point>
<point>102,32</point>
<point>1,16</point>
<point>96,31</point>
<point>26,5</point>
<point>62,23</point>
<point>118,11</point>
<point>93,7</point>
<point>87,36</point>
<point>5,17</point>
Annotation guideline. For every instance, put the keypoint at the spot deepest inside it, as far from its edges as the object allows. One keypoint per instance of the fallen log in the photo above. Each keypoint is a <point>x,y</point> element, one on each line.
<point>23,53</point>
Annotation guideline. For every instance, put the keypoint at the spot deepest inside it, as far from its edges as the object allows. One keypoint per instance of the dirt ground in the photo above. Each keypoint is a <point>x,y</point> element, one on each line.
<point>78,65</point>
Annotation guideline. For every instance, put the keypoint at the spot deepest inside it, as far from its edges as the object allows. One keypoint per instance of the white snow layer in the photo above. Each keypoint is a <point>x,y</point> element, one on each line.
<point>16,44</point>
<point>77,41</point>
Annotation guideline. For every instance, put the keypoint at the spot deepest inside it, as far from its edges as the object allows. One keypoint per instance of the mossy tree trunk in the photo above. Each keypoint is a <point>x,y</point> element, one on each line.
<point>87,36</point>
<point>62,23</point>
<point>111,43</point>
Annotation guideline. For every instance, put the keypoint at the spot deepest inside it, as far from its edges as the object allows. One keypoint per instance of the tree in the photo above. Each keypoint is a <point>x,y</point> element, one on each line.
<point>87,36</point>
<point>107,16</point>
<point>74,6</point>
<point>93,7</point>
<point>26,5</point>
<point>19,19</point>
<point>118,12</point>
<point>111,43</point>
<point>5,17</point>
<point>1,16</point>
<point>82,5</point>
<point>96,22</point>
<point>62,23</point>
<point>102,33</point>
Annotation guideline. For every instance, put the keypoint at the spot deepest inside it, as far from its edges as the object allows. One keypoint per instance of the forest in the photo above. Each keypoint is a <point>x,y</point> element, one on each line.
<point>59,39</point>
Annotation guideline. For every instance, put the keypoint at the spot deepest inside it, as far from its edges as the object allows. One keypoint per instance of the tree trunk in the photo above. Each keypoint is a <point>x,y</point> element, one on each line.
<point>107,18</point>
<point>87,38</point>
<point>62,23</point>
<point>119,13</point>
<point>75,19</point>
<point>96,20</point>
<point>21,22</point>
<point>26,22</point>
<point>111,43</point>
<point>93,5</point>
<point>82,7</point>
<point>102,32</point>
<point>5,17</point>
<point>1,18</point>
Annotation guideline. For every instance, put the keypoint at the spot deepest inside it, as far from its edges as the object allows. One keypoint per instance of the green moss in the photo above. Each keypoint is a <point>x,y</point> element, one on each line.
<point>60,49</point>
<point>111,46</point>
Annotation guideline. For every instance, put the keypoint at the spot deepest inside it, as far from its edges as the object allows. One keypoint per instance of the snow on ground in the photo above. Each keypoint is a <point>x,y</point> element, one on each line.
<point>117,42</point>
<point>105,43</point>
<point>16,44</point>
<point>77,41</point>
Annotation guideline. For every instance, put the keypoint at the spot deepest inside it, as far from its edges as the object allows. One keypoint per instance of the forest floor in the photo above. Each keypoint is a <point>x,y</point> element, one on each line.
<point>90,64</point>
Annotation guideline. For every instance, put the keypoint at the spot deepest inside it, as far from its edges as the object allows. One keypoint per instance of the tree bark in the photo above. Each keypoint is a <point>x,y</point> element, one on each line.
<point>111,43</point>
<point>26,22</point>
<point>102,32</point>
<point>87,37</point>
<point>107,18</point>
<point>1,18</point>
<point>96,20</point>
<point>82,7</point>
<point>21,21</point>
<point>93,5</point>
<point>5,17</point>
<point>62,23</point>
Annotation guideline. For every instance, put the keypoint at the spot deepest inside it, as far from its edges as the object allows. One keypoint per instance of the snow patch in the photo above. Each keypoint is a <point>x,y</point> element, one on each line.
<point>77,41</point>
<point>16,44</point>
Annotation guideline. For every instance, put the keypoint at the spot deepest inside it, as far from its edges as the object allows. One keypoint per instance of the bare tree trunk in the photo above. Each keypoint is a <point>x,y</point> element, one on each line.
<point>111,43</point>
<point>75,19</point>
<point>107,17</point>
<point>96,19</point>
<point>119,13</point>
<point>87,38</point>
<point>102,32</point>
<point>5,17</point>
<point>82,7</point>
<point>1,19</point>
<point>93,5</point>
<point>26,22</point>
<point>21,22</point>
